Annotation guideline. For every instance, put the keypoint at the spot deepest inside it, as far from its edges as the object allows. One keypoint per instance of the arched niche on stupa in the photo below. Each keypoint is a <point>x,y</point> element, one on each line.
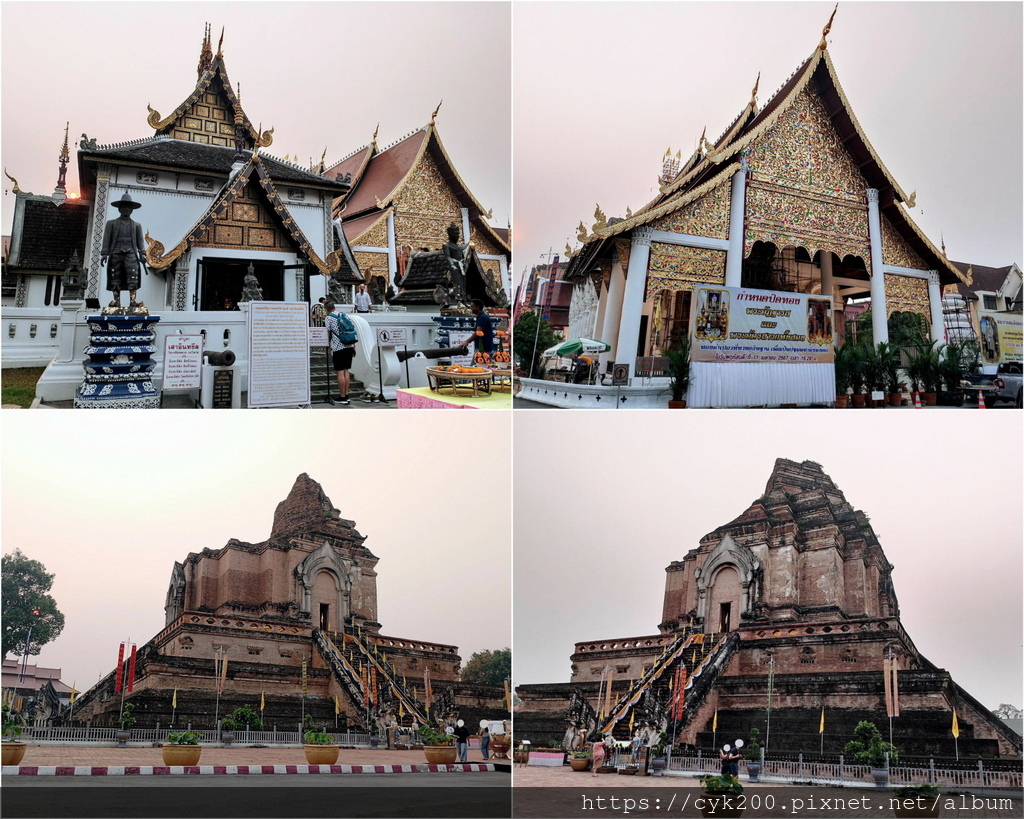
<point>324,588</point>
<point>727,585</point>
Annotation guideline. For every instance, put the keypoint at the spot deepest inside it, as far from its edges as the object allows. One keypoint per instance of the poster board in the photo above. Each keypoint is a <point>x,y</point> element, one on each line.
<point>278,354</point>
<point>183,362</point>
<point>742,325</point>
<point>1000,337</point>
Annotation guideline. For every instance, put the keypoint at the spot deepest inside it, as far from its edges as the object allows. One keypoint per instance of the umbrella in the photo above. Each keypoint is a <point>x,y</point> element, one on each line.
<point>577,345</point>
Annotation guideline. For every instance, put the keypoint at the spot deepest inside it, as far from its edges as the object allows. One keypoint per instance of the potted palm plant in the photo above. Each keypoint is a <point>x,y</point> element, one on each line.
<point>844,362</point>
<point>13,748</point>
<point>438,747</point>
<point>930,373</point>
<point>227,731</point>
<point>126,722</point>
<point>889,364</point>
<point>858,375</point>
<point>657,754</point>
<point>320,748</point>
<point>679,373</point>
<point>870,749</point>
<point>181,748</point>
<point>752,755</point>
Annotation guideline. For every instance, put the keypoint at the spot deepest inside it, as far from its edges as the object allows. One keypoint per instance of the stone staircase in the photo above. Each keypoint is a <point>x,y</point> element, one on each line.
<point>322,377</point>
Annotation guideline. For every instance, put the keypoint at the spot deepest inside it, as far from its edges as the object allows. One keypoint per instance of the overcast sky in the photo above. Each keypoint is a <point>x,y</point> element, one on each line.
<point>603,89</point>
<point>322,74</point>
<point>604,501</point>
<point>108,506</point>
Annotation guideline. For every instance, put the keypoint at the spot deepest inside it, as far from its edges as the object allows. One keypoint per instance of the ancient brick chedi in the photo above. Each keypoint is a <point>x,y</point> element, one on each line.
<point>798,584</point>
<point>306,594</point>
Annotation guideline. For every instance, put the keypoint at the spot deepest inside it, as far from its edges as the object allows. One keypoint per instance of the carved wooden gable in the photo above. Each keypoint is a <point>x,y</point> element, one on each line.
<point>426,205</point>
<point>247,222</point>
<point>210,119</point>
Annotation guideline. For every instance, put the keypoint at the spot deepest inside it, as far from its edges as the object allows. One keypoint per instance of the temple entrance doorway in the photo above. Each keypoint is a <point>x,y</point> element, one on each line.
<point>726,597</point>
<point>221,281</point>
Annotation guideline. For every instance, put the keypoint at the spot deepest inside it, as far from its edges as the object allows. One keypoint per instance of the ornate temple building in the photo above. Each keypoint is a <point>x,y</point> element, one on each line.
<point>402,200</point>
<point>304,601</point>
<point>790,198</point>
<point>792,600</point>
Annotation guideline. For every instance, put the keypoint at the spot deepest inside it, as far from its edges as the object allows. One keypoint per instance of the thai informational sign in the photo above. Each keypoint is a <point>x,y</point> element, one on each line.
<point>183,362</point>
<point>743,325</point>
<point>1001,337</point>
<point>278,354</point>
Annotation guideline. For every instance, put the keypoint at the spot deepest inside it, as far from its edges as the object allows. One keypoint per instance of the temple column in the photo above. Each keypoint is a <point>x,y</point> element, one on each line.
<point>879,312</point>
<point>633,298</point>
<point>828,289</point>
<point>392,248</point>
<point>734,256</point>
<point>612,313</point>
<point>465,225</point>
<point>938,328</point>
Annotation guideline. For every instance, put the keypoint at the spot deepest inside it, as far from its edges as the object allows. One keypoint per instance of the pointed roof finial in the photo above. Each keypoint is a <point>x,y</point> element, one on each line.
<point>65,151</point>
<point>943,240</point>
<point>434,115</point>
<point>15,189</point>
<point>753,93</point>
<point>375,132</point>
<point>220,43</point>
<point>322,167</point>
<point>60,192</point>
<point>205,57</point>
<point>828,27</point>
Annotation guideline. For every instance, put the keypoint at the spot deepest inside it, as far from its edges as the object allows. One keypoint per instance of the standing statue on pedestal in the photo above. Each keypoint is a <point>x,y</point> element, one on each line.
<point>456,254</point>
<point>124,246</point>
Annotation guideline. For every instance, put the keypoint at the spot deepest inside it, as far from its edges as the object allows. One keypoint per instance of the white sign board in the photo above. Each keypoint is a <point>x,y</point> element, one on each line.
<point>456,338</point>
<point>278,354</point>
<point>392,335</point>
<point>318,337</point>
<point>183,362</point>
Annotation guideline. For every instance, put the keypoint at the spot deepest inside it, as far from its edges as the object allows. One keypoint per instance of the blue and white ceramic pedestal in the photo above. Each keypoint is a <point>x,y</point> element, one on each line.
<point>119,370</point>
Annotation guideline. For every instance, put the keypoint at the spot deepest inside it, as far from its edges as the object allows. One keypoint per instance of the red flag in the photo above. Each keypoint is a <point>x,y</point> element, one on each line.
<point>549,293</point>
<point>680,694</point>
<point>131,672</point>
<point>120,670</point>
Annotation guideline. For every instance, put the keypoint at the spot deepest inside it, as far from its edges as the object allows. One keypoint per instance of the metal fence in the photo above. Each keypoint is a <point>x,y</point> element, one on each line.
<point>837,771</point>
<point>70,735</point>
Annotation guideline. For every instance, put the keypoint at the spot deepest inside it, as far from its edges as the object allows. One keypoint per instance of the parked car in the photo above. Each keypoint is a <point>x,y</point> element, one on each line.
<point>1008,382</point>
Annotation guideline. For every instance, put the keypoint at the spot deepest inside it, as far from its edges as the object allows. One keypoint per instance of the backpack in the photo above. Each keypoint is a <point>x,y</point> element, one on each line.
<point>346,329</point>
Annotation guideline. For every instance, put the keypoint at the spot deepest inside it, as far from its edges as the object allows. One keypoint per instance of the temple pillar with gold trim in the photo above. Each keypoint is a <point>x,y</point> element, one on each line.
<point>633,298</point>
<point>938,328</point>
<point>737,208</point>
<point>879,313</point>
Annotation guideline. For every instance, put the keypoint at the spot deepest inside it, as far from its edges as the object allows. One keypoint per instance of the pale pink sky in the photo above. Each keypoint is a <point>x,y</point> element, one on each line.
<point>322,74</point>
<point>603,89</point>
<point>109,503</point>
<point>618,496</point>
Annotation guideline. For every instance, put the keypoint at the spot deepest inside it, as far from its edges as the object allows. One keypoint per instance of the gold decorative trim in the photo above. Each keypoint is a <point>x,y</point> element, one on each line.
<point>828,27</point>
<point>154,120</point>
<point>15,189</point>
<point>372,226</point>
<point>668,207</point>
<point>333,261</point>
<point>266,139</point>
<point>155,257</point>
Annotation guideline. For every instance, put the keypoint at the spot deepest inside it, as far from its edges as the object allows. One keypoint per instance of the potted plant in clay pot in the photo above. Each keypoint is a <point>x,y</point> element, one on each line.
<point>889,364</point>
<point>916,801</point>
<point>721,796</point>
<point>580,760</point>
<point>227,731</point>
<point>858,375</point>
<point>320,748</point>
<point>438,747</point>
<point>930,359</point>
<point>181,748</point>
<point>126,722</point>
<point>657,754</point>
<point>13,748</point>
<point>844,363</point>
<point>752,755</point>
<point>679,373</point>
<point>870,749</point>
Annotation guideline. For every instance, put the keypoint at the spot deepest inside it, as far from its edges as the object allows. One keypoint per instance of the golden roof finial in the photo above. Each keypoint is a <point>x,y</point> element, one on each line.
<point>600,217</point>
<point>15,189</point>
<point>704,140</point>
<point>64,151</point>
<point>323,156</point>
<point>668,152</point>
<point>220,43</point>
<point>582,232</point>
<point>204,52</point>
<point>753,94</point>
<point>629,212</point>
<point>828,27</point>
<point>434,115</point>
<point>375,132</point>
<point>912,200</point>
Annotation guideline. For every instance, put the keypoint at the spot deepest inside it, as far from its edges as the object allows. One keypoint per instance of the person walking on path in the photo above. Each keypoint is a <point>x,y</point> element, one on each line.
<point>462,740</point>
<point>485,743</point>
<point>598,754</point>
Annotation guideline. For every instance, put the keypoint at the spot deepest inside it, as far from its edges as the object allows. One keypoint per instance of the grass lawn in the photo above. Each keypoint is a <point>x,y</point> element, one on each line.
<point>19,386</point>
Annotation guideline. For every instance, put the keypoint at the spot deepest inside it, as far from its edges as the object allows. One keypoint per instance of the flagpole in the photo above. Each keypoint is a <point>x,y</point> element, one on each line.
<point>771,684</point>
<point>216,669</point>
<point>893,708</point>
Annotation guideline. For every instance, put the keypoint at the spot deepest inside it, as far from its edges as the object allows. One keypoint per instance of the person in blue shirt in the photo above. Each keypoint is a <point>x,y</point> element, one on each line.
<point>484,327</point>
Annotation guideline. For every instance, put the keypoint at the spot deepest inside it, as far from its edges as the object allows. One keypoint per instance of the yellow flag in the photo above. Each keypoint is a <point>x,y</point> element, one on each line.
<point>956,726</point>
<point>631,715</point>
<point>337,706</point>
<point>174,699</point>
<point>821,727</point>
<point>262,701</point>
<point>74,693</point>
<point>714,722</point>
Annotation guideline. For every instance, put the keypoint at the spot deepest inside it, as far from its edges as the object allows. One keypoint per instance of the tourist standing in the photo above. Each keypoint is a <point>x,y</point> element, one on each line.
<point>362,299</point>
<point>485,743</point>
<point>462,740</point>
<point>343,338</point>
<point>318,312</point>
<point>484,328</point>
<point>597,755</point>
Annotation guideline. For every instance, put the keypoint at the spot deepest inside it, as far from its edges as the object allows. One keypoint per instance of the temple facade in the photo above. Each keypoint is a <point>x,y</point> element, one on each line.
<point>305,598</point>
<point>791,198</point>
<point>794,596</point>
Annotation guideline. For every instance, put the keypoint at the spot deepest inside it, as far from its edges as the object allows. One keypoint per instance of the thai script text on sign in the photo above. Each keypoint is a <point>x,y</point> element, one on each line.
<point>183,362</point>
<point>278,354</point>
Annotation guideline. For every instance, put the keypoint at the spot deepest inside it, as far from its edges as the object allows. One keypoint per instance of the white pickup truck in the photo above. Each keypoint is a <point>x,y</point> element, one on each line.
<point>1008,383</point>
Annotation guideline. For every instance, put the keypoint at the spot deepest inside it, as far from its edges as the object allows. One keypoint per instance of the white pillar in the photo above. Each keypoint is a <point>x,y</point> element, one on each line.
<point>612,312</point>
<point>734,256</point>
<point>828,289</point>
<point>879,312</point>
<point>938,327</point>
<point>392,249</point>
<point>633,298</point>
<point>465,225</point>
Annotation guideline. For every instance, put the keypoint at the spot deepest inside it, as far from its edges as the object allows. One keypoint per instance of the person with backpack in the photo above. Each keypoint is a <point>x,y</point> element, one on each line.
<point>342,334</point>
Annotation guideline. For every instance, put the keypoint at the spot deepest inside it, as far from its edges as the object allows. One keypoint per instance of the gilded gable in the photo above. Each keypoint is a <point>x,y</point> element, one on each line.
<point>707,216</point>
<point>896,251</point>
<point>209,120</point>
<point>483,244</point>
<point>247,222</point>
<point>683,268</point>
<point>907,294</point>
<point>425,207</point>
<point>375,236</point>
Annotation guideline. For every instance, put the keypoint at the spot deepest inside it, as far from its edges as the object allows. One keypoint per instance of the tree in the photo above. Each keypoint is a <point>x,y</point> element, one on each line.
<point>27,605</point>
<point>489,667</point>
<point>530,340</point>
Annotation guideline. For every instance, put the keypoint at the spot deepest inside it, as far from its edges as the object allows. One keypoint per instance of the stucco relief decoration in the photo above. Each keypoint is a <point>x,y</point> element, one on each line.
<point>427,231</point>
<point>683,268</point>
<point>803,155</point>
<point>376,236</point>
<point>426,192</point>
<point>483,244</point>
<point>493,270</point>
<point>906,294</point>
<point>371,263</point>
<point>708,216</point>
<point>622,247</point>
<point>583,309</point>
<point>896,251</point>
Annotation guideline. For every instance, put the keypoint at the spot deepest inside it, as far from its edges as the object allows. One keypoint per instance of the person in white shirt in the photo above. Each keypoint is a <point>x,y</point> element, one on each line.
<point>362,299</point>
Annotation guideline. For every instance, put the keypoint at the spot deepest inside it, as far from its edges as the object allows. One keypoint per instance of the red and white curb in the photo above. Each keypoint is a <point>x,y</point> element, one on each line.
<point>259,770</point>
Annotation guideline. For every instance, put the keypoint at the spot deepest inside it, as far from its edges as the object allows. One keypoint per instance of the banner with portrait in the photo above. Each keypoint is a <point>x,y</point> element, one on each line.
<point>1000,337</point>
<point>739,324</point>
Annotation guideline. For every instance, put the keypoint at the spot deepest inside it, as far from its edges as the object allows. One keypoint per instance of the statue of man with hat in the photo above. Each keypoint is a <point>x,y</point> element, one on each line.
<point>124,246</point>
